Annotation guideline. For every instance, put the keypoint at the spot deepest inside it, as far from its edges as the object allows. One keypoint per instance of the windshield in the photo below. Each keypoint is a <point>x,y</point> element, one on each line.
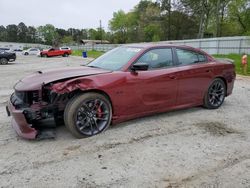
<point>115,59</point>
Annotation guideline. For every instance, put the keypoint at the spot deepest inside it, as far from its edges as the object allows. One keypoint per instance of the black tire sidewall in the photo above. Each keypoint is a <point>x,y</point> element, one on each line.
<point>207,103</point>
<point>3,61</point>
<point>74,104</point>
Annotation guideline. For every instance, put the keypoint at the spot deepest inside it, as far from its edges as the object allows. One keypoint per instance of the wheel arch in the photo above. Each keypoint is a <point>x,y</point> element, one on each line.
<point>7,58</point>
<point>99,91</point>
<point>224,80</point>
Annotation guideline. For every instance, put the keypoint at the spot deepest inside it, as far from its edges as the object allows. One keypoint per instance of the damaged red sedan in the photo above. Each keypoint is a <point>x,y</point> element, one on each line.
<point>127,82</point>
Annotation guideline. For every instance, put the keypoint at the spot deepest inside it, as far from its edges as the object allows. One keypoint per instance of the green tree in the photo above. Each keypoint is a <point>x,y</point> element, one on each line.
<point>3,33</point>
<point>11,31</point>
<point>67,40</point>
<point>22,32</point>
<point>48,34</point>
<point>118,24</point>
<point>239,11</point>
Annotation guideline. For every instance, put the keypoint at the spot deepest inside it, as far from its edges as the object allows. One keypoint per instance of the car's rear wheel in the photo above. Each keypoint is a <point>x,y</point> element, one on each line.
<point>3,61</point>
<point>215,95</point>
<point>88,114</point>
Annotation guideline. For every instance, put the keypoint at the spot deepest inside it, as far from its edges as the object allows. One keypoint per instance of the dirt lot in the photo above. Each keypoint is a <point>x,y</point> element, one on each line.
<point>186,148</point>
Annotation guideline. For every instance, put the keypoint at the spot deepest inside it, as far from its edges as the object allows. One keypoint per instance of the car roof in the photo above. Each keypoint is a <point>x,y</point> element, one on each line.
<point>153,45</point>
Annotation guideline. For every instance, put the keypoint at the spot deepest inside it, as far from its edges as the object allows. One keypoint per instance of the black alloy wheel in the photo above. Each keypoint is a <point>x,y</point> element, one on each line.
<point>215,95</point>
<point>88,114</point>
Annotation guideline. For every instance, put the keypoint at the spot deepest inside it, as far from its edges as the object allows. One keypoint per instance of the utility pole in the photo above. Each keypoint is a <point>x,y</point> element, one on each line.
<point>101,30</point>
<point>169,17</point>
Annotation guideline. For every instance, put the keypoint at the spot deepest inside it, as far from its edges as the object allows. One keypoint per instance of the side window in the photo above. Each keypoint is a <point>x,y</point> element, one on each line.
<point>202,58</point>
<point>187,57</point>
<point>157,58</point>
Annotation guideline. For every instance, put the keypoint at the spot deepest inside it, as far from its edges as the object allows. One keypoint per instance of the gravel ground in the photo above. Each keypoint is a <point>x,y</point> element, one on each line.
<point>186,148</point>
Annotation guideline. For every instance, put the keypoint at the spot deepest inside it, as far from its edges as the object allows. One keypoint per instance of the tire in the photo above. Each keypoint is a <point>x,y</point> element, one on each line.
<point>88,114</point>
<point>3,61</point>
<point>26,53</point>
<point>66,55</point>
<point>215,95</point>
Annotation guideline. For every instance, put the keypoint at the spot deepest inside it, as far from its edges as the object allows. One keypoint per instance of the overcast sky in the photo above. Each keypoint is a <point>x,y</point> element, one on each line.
<point>62,13</point>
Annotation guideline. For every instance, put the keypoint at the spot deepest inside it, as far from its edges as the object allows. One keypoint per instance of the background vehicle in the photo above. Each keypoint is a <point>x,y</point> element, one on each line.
<point>125,83</point>
<point>31,51</point>
<point>6,57</point>
<point>65,48</point>
<point>17,50</point>
<point>55,52</point>
<point>5,49</point>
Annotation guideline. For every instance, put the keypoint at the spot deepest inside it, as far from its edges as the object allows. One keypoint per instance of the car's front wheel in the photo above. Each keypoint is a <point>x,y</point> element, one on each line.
<point>65,55</point>
<point>88,114</point>
<point>3,61</point>
<point>215,95</point>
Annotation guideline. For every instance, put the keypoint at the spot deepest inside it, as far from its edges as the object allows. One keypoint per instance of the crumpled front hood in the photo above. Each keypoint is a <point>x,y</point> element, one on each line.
<point>37,79</point>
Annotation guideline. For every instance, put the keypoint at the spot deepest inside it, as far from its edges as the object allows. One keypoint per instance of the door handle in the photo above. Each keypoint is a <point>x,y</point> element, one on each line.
<point>172,77</point>
<point>208,70</point>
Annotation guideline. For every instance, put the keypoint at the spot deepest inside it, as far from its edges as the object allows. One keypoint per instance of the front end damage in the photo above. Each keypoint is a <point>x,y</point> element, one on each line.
<point>35,114</point>
<point>38,103</point>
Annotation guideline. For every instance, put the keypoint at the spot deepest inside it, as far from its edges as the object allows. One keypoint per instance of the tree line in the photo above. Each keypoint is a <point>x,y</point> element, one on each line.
<point>148,21</point>
<point>47,34</point>
<point>181,19</point>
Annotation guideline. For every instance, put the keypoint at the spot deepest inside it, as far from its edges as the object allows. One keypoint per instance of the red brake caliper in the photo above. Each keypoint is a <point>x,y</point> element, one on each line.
<point>99,112</point>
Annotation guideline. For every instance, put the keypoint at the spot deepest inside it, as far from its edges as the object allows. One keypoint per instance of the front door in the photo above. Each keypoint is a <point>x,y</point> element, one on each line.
<point>155,88</point>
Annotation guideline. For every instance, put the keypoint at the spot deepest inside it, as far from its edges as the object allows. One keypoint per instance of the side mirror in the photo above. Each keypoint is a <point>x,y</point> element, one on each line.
<point>139,67</point>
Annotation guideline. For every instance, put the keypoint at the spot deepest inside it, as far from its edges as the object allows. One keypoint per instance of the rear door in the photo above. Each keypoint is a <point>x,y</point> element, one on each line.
<point>194,76</point>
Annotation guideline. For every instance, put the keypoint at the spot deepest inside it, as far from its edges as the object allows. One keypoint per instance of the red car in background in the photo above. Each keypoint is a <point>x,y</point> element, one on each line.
<point>65,52</point>
<point>125,83</point>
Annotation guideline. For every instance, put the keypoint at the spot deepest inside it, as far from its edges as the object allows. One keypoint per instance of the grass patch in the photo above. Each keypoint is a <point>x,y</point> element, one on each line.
<point>237,62</point>
<point>91,54</point>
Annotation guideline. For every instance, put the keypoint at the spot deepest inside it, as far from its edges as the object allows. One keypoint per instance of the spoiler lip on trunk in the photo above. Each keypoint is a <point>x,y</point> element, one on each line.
<point>225,60</point>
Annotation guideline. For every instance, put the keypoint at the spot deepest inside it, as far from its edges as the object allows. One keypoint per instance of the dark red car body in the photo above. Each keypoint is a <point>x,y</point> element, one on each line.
<point>55,52</point>
<point>132,94</point>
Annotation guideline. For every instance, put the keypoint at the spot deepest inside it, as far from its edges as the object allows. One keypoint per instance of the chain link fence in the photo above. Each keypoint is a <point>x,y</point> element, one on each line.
<point>223,45</point>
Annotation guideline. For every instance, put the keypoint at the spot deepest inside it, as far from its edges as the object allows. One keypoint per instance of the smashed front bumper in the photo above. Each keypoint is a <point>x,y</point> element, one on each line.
<point>19,123</point>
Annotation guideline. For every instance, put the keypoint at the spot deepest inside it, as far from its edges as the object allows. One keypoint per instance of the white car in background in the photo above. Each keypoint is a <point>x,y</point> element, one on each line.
<point>31,51</point>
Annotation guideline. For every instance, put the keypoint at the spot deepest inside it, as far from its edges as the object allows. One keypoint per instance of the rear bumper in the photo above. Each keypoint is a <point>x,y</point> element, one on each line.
<point>20,124</point>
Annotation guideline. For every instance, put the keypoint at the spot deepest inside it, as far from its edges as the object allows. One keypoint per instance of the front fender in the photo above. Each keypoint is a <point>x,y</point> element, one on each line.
<point>72,85</point>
